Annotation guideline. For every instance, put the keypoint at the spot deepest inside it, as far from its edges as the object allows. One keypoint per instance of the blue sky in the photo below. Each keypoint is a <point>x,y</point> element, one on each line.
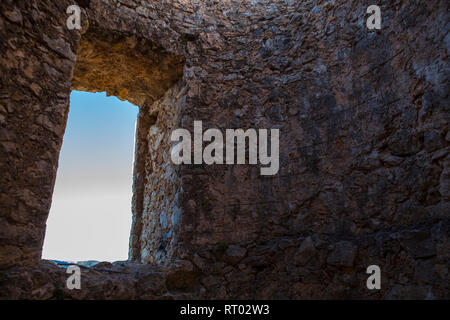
<point>90,217</point>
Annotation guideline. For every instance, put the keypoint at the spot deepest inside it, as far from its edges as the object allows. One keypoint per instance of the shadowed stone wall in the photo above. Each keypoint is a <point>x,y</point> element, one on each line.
<point>364,164</point>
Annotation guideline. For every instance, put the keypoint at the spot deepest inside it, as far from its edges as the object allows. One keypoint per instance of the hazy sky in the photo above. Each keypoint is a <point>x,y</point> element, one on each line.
<point>90,217</point>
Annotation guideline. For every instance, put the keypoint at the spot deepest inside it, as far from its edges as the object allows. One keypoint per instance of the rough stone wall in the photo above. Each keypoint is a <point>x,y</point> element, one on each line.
<point>37,57</point>
<point>124,66</point>
<point>364,141</point>
<point>364,150</point>
<point>161,214</point>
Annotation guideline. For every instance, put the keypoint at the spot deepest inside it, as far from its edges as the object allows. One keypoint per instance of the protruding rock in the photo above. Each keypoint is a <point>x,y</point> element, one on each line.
<point>234,254</point>
<point>182,276</point>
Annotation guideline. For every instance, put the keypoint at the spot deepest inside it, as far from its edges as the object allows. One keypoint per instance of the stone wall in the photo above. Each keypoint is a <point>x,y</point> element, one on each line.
<point>161,209</point>
<point>364,163</point>
<point>37,59</point>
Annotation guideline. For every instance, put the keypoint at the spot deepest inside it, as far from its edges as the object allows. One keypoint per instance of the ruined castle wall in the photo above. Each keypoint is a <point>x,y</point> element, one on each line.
<point>37,57</point>
<point>161,210</point>
<point>43,61</point>
<point>355,118</point>
<point>363,119</point>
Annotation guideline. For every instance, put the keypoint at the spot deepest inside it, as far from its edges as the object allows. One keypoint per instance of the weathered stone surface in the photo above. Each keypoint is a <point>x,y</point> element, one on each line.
<point>419,244</point>
<point>126,67</point>
<point>234,254</point>
<point>182,276</point>
<point>364,145</point>
<point>305,252</point>
<point>343,254</point>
